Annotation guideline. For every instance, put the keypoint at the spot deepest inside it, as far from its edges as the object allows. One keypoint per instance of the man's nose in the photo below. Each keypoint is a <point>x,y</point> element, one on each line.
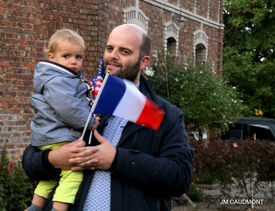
<point>115,54</point>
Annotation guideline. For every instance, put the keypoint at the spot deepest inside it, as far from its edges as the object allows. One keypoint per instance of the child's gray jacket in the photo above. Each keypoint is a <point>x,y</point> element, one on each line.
<point>60,104</point>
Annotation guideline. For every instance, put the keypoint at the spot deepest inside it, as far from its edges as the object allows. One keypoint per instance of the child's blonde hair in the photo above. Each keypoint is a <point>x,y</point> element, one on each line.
<point>63,35</point>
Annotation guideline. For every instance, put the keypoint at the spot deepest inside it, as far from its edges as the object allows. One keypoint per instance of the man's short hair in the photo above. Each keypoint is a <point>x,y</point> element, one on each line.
<point>145,47</point>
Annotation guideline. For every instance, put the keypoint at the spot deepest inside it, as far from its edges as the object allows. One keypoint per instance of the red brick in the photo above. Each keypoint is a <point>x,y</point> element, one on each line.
<point>5,63</point>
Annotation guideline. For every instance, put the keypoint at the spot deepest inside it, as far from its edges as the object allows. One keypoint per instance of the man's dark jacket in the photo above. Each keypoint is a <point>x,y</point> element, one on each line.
<point>150,166</point>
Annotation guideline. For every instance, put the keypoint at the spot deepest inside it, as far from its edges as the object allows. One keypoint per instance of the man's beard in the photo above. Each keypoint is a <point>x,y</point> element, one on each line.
<point>128,72</point>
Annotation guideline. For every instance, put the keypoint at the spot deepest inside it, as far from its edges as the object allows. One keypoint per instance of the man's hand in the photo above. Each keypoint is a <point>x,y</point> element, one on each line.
<point>95,126</point>
<point>59,158</point>
<point>96,157</point>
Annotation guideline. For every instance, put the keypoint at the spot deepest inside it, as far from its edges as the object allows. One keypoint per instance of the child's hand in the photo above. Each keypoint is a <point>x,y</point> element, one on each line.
<point>97,118</point>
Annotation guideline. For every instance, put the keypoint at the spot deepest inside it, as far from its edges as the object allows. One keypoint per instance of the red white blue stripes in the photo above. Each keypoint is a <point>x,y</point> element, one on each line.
<point>121,98</point>
<point>97,80</point>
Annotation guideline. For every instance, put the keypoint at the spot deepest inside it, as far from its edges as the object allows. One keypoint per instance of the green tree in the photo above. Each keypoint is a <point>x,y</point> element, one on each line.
<point>249,57</point>
<point>207,101</point>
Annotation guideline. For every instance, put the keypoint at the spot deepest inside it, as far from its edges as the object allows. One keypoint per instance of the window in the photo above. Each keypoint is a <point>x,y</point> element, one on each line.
<point>171,38</point>
<point>200,47</point>
<point>171,46</point>
<point>200,58</point>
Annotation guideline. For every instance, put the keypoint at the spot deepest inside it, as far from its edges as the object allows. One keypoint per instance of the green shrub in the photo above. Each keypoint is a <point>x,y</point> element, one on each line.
<point>194,193</point>
<point>16,189</point>
<point>206,178</point>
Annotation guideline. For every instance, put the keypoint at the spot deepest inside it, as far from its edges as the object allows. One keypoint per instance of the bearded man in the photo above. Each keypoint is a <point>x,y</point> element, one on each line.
<point>130,167</point>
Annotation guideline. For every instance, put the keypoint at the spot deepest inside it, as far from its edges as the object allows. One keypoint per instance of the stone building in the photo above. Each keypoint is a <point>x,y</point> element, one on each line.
<point>191,30</point>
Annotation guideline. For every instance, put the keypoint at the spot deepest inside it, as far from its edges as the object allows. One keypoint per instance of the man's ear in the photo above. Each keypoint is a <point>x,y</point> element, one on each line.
<point>51,56</point>
<point>144,62</point>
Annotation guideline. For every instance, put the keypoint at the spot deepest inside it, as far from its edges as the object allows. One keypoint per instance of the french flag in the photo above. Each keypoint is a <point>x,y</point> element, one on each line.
<point>121,98</point>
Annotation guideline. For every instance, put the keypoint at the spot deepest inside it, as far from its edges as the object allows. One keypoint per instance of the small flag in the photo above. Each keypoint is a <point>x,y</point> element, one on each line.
<point>95,84</point>
<point>121,98</point>
<point>97,80</point>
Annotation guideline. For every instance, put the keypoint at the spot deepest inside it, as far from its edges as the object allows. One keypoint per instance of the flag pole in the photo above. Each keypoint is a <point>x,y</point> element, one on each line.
<point>93,108</point>
<point>86,125</point>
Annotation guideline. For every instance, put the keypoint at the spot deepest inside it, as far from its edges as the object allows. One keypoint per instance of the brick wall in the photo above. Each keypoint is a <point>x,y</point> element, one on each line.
<point>26,25</point>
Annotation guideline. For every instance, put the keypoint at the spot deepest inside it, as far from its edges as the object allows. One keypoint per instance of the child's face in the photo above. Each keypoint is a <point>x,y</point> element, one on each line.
<point>69,55</point>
